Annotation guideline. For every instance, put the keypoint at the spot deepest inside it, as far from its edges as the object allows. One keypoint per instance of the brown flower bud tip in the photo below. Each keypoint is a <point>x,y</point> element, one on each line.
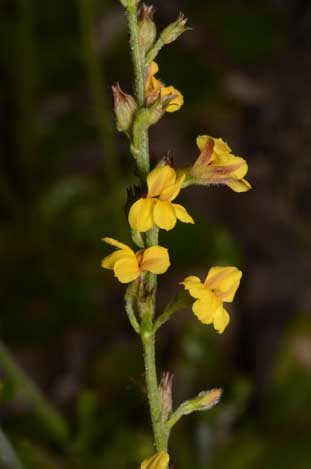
<point>146,26</point>
<point>125,108</point>
<point>165,391</point>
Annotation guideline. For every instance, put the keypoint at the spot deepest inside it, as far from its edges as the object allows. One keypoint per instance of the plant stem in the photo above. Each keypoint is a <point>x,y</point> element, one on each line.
<point>53,421</point>
<point>160,437</point>
<point>148,288</point>
<point>143,160</point>
<point>8,458</point>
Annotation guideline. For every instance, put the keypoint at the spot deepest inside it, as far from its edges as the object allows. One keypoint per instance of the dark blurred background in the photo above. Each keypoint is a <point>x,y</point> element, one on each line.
<point>245,72</point>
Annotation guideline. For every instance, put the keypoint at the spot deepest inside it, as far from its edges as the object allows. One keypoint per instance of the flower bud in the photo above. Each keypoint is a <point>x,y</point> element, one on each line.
<point>203,401</point>
<point>165,391</point>
<point>147,27</point>
<point>174,30</point>
<point>125,108</point>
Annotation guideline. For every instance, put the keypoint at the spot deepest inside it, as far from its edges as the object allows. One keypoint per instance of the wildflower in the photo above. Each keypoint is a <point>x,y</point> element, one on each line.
<point>157,208</point>
<point>157,461</point>
<point>217,165</point>
<point>128,265</point>
<point>219,286</point>
<point>171,99</point>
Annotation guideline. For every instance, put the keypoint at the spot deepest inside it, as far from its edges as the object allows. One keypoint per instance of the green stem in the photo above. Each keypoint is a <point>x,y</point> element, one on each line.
<point>21,382</point>
<point>147,293</point>
<point>143,160</point>
<point>8,458</point>
<point>160,435</point>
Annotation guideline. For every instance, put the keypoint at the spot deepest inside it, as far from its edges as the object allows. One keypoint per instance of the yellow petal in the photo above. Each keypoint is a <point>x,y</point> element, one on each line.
<point>109,261</point>
<point>171,192</point>
<point>164,215</point>
<point>240,185</point>
<point>235,166</point>
<point>160,178</point>
<point>221,147</point>
<point>157,461</point>
<point>205,308</point>
<point>126,269</point>
<point>202,141</point>
<point>117,244</point>
<point>177,100</point>
<point>224,281</point>
<point>150,80</point>
<point>155,259</point>
<point>140,215</point>
<point>182,214</point>
<point>221,319</point>
<point>195,287</point>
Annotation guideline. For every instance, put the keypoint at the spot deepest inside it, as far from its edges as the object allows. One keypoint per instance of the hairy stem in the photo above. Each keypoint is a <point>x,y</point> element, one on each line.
<point>147,292</point>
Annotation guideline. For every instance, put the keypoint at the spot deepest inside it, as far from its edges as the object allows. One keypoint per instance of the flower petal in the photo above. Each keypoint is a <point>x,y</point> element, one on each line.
<point>164,215</point>
<point>126,269</point>
<point>182,214</point>
<point>117,244</point>
<point>240,185</point>
<point>140,215</point>
<point>177,98</point>
<point>171,192</point>
<point>224,281</point>
<point>157,461</point>
<point>160,178</point>
<point>109,261</point>
<point>221,319</point>
<point>205,308</point>
<point>155,259</point>
<point>195,287</point>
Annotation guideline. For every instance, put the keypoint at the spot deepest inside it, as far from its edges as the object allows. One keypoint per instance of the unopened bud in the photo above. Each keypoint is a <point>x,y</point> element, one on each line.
<point>165,391</point>
<point>125,108</point>
<point>147,27</point>
<point>203,401</point>
<point>174,30</point>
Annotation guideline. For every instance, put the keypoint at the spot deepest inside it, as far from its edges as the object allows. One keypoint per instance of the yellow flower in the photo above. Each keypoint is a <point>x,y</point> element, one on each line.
<point>217,165</point>
<point>219,287</point>
<point>155,89</point>
<point>127,265</point>
<point>157,461</point>
<point>157,208</point>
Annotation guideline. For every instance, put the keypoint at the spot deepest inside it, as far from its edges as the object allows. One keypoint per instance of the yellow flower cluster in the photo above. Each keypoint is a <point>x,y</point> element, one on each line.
<point>215,165</point>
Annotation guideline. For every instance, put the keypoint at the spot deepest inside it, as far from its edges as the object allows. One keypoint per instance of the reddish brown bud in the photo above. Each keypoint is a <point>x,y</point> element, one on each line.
<point>125,108</point>
<point>147,27</point>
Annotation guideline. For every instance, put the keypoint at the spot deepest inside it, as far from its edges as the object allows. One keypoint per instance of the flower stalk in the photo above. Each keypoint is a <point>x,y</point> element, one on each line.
<point>151,239</point>
<point>151,207</point>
